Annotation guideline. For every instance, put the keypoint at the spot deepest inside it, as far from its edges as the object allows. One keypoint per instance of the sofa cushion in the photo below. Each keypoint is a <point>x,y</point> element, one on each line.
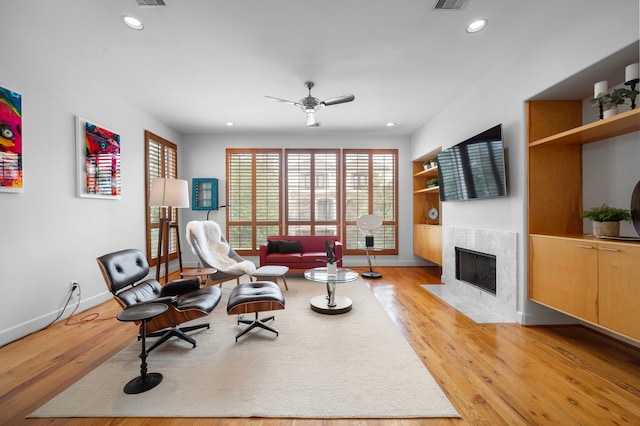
<point>289,246</point>
<point>284,258</point>
<point>313,257</point>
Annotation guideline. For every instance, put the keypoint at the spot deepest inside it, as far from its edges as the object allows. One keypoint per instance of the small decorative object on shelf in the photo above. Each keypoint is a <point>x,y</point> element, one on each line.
<point>631,79</point>
<point>608,102</point>
<point>331,258</point>
<point>432,182</point>
<point>606,220</point>
<point>430,164</point>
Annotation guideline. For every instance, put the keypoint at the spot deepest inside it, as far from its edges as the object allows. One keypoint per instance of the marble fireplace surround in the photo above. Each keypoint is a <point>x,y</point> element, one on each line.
<point>477,304</point>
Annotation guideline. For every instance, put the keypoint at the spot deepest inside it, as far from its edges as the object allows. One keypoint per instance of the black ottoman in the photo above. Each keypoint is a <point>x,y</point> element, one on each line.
<point>255,297</point>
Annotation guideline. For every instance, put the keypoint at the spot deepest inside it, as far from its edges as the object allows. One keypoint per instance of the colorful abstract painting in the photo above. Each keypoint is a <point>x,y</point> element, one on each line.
<point>10,141</point>
<point>98,161</point>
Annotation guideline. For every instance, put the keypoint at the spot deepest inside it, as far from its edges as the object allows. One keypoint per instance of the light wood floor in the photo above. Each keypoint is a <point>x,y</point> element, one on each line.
<point>493,373</point>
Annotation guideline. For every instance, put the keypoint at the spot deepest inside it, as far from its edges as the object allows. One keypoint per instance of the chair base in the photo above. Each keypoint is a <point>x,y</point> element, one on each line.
<point>257,322</point>
<point>179,332</point>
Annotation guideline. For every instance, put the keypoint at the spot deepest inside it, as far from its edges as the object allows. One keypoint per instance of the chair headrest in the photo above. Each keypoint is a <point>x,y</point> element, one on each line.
<point>123,268</point>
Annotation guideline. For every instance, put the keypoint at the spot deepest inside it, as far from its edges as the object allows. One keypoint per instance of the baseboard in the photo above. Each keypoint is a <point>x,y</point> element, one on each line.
<point>36,324</point>
<point>546,318</point>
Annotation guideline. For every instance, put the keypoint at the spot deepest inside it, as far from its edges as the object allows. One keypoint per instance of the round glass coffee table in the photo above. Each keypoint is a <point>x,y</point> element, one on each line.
<point>331,303</point>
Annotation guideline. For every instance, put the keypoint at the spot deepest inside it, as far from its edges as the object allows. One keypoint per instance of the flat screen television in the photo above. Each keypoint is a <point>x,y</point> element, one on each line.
<point>473,169</point>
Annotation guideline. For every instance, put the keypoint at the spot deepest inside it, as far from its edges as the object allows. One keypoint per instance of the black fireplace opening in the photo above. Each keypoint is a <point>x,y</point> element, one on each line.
<point>477,269</point>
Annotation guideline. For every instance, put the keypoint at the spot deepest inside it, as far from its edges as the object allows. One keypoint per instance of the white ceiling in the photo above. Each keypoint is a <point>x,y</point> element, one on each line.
<point>201,63</point>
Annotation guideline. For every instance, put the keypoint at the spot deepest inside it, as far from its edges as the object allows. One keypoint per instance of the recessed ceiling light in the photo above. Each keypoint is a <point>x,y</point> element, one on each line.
<point>476,26</point>
<point>132,22</point>
<point>390,124</point>
<point>230,124</point>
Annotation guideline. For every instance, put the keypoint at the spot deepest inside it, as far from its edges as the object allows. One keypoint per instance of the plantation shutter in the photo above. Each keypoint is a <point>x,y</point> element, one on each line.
<point>370,187</point>
<point>253,195</point>
<point>161,161</point>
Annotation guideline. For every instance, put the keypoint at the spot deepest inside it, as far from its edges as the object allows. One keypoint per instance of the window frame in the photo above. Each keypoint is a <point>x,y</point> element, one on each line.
<point>253,222</point>
<point>313,221</point>
<point>370,184</point>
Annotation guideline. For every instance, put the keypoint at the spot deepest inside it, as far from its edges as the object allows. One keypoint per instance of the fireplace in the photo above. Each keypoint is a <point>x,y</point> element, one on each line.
<point>476,268</point>
<point>482,305</point>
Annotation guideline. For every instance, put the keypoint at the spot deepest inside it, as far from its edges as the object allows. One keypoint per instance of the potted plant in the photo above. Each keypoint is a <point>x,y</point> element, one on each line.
<point>432,182</point>
<point>610,101</point>
<point>606,220</point>
<point>430,163</point>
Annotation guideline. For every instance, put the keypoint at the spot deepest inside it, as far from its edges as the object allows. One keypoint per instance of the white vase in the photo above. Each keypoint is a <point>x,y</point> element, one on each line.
<point>332,269</point>
<point>610,112</point>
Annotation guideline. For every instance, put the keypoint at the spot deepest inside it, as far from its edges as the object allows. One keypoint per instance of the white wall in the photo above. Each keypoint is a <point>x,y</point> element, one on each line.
<point>498,97</point>
<point>49,236</point>
<point>204,157</point>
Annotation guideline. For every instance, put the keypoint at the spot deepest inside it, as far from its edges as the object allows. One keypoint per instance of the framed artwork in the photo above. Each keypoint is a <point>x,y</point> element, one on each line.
<point>98,157</point>
<point>10,141</point>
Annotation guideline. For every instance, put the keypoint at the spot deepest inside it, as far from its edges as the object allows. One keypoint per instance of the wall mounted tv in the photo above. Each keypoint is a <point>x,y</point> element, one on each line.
<point>473,169</point>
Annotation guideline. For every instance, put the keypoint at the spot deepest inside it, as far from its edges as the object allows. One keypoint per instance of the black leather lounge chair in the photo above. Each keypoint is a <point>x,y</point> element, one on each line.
<point>125,272</point>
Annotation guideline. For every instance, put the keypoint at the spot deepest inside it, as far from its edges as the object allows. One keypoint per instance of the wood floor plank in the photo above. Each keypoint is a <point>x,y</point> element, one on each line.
<point>493,374</point>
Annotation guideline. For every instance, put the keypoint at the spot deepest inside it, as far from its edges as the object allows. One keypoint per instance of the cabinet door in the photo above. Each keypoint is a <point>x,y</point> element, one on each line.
<point>619,282</point>
<point>434,244</point>
<point>420,237</point>
<point>563,275</point>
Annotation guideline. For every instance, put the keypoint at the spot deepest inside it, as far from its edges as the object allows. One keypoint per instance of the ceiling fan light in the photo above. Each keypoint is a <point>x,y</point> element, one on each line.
<point>311,120</point>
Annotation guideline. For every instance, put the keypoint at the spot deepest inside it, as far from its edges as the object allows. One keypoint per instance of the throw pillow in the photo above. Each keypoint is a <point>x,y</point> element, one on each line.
<point>273,246</point>
<point>287,246</point>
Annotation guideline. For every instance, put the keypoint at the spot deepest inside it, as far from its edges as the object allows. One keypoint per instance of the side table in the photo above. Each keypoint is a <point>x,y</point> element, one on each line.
<point>142,312</point>
<point>198,272</point>
<point>331,303</point>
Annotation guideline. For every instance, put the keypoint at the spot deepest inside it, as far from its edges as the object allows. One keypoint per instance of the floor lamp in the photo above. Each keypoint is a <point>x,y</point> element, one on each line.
<point>169,194</point>
<point>368,224</point>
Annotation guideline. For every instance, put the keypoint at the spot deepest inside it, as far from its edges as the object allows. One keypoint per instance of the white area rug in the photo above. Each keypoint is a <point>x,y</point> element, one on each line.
<point>355,365</point>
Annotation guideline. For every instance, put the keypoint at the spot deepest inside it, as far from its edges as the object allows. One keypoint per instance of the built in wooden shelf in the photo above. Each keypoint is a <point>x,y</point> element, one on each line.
<point>619,124</point>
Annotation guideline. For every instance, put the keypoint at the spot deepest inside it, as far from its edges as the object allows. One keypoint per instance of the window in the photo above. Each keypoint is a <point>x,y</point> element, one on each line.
<point>371,187</point>
<point>253,196</point>
<point>306,198</point>
<point>161,160</point>
<point>312,209</point>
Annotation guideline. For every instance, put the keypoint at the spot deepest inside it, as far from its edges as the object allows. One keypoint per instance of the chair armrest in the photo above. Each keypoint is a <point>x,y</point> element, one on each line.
<point>264,250</point>
<point>181,286</point>
<point>167,300</point>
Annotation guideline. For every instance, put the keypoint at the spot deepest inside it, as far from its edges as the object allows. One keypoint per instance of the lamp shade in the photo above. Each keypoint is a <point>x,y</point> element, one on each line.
<point>169,193</point>
<point>369,223</point>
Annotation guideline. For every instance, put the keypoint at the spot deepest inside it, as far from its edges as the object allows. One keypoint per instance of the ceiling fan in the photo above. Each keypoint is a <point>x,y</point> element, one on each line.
<point>310,104</point>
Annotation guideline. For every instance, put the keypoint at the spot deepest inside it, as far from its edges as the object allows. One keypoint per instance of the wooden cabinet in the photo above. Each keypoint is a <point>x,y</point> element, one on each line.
<point>427,242</point>
<point>427,233</point>
<point>579,275</point>
<point>590,279</point>
<point>563,274</point>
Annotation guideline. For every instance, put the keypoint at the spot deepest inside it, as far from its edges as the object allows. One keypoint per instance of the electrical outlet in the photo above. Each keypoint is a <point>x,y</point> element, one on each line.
<point>74,285</point>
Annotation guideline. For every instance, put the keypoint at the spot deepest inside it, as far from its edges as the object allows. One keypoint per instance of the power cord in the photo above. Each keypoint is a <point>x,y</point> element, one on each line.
<point>86,318</point>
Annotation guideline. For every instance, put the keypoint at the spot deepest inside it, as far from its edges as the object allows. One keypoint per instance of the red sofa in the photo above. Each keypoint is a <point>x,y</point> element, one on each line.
<point>298,251</point>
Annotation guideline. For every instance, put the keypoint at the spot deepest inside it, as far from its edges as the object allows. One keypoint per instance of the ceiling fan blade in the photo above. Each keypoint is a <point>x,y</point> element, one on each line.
<point>311,120</point>
<point>339,100</point>
<point>281,100</point>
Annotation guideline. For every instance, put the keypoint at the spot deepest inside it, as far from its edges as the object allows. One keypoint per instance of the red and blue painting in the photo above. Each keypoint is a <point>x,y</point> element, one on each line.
<point>10,141</point>
<point>99,162</point>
